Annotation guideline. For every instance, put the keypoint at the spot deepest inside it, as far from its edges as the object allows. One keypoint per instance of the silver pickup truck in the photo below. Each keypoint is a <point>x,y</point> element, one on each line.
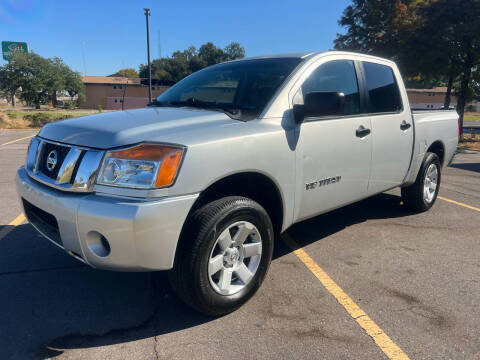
<point>201,181</point>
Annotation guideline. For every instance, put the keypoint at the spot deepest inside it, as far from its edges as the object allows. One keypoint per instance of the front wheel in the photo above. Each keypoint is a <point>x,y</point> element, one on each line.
<point>421,195</point>
<point>224,255</point>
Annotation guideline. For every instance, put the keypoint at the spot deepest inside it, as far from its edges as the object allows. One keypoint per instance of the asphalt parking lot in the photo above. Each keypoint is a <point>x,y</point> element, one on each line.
<point>416,276</point>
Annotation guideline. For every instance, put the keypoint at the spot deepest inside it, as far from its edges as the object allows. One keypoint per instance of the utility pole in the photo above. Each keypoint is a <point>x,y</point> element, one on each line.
<point>84,62</point>
<point>159,45</point>
<point>147,14</point>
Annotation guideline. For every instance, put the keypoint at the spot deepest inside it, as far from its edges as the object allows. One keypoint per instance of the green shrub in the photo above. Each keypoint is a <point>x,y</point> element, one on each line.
<point>70,104</point>
<point>13,114</point>
<point>100,108</point>
<point>41,118</point>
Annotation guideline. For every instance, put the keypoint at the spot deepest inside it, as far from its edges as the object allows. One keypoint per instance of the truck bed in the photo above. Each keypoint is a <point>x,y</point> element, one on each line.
<point>433,128</point>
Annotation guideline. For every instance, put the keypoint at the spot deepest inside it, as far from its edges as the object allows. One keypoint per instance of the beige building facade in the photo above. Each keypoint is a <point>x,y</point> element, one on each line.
<point>429,98</point>
<point>112,92</point>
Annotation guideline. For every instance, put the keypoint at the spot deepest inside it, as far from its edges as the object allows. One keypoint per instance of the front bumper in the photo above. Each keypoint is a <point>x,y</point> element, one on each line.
<point>141,234</point>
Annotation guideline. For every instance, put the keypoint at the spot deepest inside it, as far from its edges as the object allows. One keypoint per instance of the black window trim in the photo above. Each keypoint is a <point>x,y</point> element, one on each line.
<point>367,97</point>
<point>363,94</point>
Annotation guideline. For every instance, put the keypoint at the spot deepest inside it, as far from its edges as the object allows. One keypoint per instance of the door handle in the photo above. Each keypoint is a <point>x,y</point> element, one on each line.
<point>362,131</point>
<point>404,125</point>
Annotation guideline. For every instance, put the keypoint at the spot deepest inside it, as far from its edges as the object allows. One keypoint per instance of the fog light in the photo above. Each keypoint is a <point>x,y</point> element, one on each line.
<point>98,244</point>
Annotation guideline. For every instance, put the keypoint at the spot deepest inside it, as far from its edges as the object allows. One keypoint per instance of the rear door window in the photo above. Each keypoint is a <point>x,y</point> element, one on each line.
<point>383,91</point>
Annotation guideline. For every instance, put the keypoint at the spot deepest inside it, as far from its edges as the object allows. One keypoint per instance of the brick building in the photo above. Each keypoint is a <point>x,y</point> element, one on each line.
<point>429,98</point>
<point>113,92</point>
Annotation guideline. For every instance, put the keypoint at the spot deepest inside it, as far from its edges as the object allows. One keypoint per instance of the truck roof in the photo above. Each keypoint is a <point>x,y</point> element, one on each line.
<point>305,55</point>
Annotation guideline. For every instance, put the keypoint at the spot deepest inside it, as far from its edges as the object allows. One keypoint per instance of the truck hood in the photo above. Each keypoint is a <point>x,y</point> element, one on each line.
<point>156,124</point>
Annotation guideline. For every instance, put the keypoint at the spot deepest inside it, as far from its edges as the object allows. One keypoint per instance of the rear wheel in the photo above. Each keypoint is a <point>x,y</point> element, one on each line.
<point>421,195</point>
<point>224,254</point>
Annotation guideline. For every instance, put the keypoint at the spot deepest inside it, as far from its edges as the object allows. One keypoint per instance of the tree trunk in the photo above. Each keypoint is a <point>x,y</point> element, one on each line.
<point>465,81</point>
<point>462,98</point>
<point>448,96</point>
<point>54,99</point>
<point>14,103</point>
<point>37,105</point>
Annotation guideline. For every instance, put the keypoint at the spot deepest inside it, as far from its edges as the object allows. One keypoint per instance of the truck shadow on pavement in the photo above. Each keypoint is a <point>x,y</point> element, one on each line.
<point>467,166</point>
<point>51,302</point>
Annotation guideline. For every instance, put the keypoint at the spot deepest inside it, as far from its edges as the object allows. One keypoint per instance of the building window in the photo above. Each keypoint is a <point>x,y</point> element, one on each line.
<point>116,100</point>
<point>121,100</point>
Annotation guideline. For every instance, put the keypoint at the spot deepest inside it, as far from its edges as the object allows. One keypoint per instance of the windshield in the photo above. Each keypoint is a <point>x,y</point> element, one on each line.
<point>241,89</point>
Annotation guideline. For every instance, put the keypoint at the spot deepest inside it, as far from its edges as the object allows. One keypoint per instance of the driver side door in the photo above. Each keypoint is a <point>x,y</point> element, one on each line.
<point>333,153</point>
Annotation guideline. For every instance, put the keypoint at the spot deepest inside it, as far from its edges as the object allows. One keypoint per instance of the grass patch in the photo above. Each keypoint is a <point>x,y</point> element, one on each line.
<point>16,119</point>
<point>470,141</point>
<point>471,118</point>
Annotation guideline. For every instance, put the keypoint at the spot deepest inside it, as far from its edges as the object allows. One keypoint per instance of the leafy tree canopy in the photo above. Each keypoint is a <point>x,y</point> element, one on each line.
<point>36,80</point>
<point>127,72</point>
<point>183,63</point>
<point>433,41</point>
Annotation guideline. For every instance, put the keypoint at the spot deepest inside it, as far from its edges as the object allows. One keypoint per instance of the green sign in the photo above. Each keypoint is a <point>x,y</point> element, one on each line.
<point>9,47</point>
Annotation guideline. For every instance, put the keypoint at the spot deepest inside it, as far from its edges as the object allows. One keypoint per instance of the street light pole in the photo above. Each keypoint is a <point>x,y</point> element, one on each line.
<point>147,14</point>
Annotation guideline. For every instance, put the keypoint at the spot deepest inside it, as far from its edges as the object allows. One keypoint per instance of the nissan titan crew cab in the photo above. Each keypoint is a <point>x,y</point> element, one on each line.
<point>201,181</point>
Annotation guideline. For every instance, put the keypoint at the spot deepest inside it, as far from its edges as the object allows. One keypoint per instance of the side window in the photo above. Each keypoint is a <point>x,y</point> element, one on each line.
<point>336,76</point>
<point>382,88</point>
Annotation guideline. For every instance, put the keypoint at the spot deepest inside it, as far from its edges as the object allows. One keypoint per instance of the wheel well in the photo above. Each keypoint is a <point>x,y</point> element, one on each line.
<point>255,186</point>
<point>438,148</point>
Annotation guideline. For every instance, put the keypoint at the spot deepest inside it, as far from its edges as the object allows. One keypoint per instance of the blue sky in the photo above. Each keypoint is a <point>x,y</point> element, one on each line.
<point>114,31</point>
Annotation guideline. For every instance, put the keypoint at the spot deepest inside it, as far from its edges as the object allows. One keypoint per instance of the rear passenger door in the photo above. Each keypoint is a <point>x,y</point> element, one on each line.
<point>392,129</point>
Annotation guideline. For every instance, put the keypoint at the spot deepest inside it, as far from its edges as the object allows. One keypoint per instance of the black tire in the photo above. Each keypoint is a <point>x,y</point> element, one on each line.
<point>189,277</point>
<point>412,195</point>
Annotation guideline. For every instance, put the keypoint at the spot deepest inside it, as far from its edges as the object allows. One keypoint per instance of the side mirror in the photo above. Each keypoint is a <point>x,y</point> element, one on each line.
<point>320,104</point>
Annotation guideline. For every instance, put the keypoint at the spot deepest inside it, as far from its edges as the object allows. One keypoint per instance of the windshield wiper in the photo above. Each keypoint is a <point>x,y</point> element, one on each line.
<point>230,110</point>
<point>207,105</point>
<point>158,103</point>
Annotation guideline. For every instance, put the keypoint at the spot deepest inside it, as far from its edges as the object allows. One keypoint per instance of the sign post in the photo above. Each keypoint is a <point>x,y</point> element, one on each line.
<point>11,47</point>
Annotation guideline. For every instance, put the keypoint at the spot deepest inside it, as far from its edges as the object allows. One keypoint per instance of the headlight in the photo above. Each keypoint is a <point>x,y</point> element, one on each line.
<point>144,166</point>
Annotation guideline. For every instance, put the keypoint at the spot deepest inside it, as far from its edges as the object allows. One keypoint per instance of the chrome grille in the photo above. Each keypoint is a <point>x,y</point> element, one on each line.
<point>75,167</point>
<point>48,148</point>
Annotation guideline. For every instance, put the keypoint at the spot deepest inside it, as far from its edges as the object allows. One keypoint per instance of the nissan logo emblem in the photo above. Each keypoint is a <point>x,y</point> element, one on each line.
<point>52,160</point>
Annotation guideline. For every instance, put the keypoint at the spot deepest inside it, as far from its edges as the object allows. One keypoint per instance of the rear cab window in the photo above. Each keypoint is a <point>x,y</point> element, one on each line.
<point>382,89</point>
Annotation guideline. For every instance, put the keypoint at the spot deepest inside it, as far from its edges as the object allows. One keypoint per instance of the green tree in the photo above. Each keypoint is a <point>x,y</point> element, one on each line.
<point>58,71</point>
<point>234,51</point>
<point>11,77</point>
<point>36,81</point>
<point>453,28</point>
<point>183,63</point>
<point>432,40</point>
<point>211,54</point>
<point>375,26</point>
<point>127,72</point>
<point>74,85</point>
